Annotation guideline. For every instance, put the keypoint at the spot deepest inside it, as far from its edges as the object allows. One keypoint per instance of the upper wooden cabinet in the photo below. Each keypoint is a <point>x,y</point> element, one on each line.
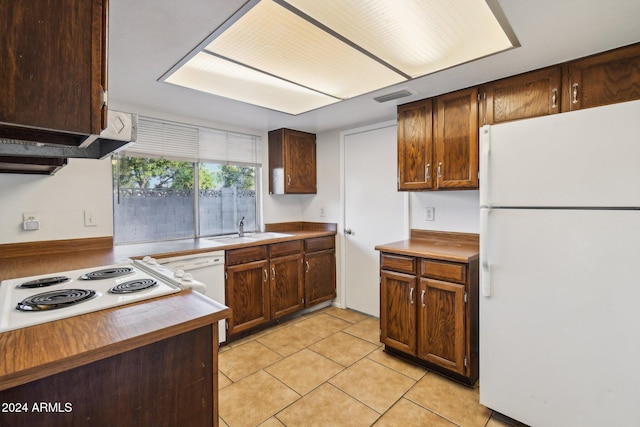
<point>292,162</point>
<point>456,140</point>
<point>523,96</point>
<point>605,78</point>
<point>54,66</point>
<point>415,146</point>
<point>438,142</point>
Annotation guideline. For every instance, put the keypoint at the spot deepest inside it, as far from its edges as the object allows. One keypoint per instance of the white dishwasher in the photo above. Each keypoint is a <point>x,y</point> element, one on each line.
<point>208,268</point>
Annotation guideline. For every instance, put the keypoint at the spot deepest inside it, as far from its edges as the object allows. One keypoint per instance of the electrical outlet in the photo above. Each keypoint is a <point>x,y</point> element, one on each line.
<point>30,222</point>
<point>429,214</point>
<point>90,219</point>
<point>321,211</point>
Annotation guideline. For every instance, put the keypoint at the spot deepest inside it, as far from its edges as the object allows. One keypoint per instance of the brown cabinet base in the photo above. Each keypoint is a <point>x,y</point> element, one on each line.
<point>467,381</point>
<point>172,382</point>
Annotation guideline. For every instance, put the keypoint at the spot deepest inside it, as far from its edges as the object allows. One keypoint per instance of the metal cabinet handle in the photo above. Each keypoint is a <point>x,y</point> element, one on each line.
<point>273,273</point>
<point>422,297</point>
<point>411,296</point>
<point>554,98</point>
<point>427,171</point>
<point>264,270</point>
<point>575,93</point>
<point>307,266</point>
<point>288,179</point>
<point>439,169</point>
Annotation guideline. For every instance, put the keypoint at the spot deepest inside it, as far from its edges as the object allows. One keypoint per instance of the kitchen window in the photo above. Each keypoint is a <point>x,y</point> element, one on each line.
<point>181,181</point>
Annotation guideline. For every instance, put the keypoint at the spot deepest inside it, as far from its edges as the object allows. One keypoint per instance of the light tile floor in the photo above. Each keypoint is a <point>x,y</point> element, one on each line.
<point>328,368</point>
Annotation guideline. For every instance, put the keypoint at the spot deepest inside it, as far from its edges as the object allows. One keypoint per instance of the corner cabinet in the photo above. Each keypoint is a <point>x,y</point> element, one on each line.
<point>429,313</point>
<point>438,142</point>
<point>292,162</point>
<point>54,69</point>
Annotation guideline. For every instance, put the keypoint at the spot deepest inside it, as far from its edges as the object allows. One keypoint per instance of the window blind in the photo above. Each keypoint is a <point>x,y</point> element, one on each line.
<point>176,141</point>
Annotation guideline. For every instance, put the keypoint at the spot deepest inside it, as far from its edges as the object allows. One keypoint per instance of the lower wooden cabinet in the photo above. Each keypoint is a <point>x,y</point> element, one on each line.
<point>267,282</point>
<point>247,294</point>
<point>320,270</point>
<point>429,313</point>
<point>397,311</point>
<point>441,310</point>
<point>172,382</point>
<point>287,288</point>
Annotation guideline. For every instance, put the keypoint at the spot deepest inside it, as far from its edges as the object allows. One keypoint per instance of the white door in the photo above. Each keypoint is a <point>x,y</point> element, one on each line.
<point>374,211</point>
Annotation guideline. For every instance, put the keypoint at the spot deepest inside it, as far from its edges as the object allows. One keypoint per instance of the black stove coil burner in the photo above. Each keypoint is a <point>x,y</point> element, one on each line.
<point>133,286</point>
<point>107,273</point>
<point>43,282</point>
<point>55,299</point>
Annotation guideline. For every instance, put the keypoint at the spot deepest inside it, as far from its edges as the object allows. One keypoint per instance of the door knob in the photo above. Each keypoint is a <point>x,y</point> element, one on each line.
<point>348,231</point>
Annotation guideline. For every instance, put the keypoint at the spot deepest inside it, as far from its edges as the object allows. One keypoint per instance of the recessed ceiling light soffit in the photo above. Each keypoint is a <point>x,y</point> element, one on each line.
<point>295,56</point>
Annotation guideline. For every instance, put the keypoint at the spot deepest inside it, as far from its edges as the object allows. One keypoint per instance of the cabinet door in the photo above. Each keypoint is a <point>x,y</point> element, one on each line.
<point>299,162</point>
<point>54,64</point>
<point>398,311</point>
<point>527,95</point>
<point>441,324</point>
<point>603,79</point>
<point>415,146</point>
<point>456,140</point>
<point>247,295</point>
<point>286,285</point>
<point>320,277</point>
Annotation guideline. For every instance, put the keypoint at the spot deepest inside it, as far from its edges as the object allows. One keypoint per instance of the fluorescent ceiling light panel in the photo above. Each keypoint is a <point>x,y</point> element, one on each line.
<point>298,55</point>
<point>211,74</point>
<point>277,41</point>
<point>417,37</point>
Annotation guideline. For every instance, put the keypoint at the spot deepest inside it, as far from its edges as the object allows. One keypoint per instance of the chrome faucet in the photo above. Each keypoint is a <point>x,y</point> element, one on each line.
<point>241,228</point>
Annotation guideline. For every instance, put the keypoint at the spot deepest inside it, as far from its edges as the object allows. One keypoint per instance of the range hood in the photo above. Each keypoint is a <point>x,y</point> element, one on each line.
<point>43,151</point>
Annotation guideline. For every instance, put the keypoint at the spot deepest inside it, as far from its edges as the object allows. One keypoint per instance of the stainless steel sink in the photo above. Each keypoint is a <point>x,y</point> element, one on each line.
<point>247,238</point>
<point>268,235</point>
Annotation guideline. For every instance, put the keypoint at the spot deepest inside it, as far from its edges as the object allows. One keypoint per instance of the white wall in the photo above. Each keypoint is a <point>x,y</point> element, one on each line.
<point>58,202</point>
<point>454,210</point>
<point>327,200</point>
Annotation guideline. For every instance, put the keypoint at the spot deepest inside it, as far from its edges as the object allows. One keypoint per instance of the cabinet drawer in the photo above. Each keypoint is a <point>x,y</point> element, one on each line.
<point>400,263</point>
<point>285,248</point>
<point>444,270</point>
<point>319,244</point>
<point>243,255</point>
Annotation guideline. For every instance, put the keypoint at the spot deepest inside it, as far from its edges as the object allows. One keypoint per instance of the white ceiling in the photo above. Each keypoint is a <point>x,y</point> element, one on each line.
<point>147,37</point>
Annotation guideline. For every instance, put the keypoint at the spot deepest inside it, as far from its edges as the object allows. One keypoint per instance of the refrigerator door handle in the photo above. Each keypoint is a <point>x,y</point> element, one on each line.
<point>485,151</point>
<point>485,274</point>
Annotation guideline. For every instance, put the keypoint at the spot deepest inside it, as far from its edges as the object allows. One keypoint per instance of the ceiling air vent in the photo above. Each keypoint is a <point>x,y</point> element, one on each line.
<point>394,95</point>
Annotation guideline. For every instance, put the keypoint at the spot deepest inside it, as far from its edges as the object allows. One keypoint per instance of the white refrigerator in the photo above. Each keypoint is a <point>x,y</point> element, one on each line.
<point>560,268</point>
